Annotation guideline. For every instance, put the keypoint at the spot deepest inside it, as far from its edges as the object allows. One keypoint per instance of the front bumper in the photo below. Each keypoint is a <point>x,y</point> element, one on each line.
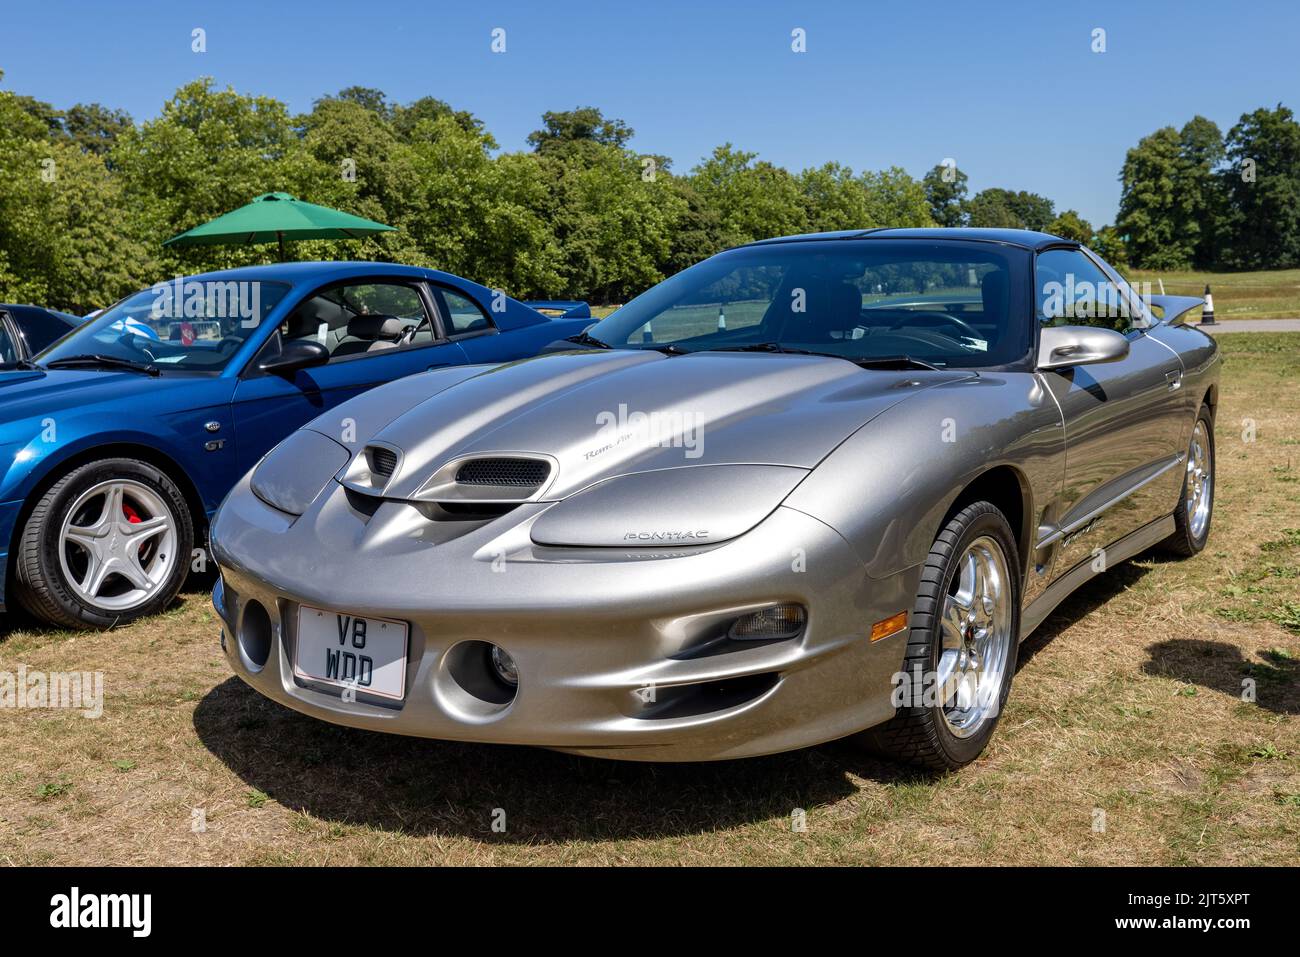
<point>610,644</point>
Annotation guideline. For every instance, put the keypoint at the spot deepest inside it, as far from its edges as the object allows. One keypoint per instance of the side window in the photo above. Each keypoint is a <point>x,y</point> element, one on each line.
<point>361,319</point>
<point>8,348</point>
<point>1073,291</point>
<point>1138,296</point>
<point>463,314</point>
<point>39,328</point>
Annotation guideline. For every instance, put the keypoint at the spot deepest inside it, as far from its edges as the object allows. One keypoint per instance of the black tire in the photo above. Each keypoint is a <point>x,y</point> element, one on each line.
<point>1183,543</point>
<point>920,735</point>
<point>40,582</point>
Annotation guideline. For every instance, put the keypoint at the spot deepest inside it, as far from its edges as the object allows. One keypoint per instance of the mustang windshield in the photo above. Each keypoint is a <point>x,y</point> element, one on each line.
<point>944,303</point>
<point>189,324</point>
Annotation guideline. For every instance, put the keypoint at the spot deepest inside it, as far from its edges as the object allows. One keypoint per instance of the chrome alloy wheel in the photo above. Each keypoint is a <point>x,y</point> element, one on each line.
<point>976,638</point>
<point>1200,481</point>
<point>117,546</point>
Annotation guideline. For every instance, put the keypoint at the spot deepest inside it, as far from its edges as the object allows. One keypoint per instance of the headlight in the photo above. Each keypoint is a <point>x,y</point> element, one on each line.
<point>296,470</point>
<point>696,505</point>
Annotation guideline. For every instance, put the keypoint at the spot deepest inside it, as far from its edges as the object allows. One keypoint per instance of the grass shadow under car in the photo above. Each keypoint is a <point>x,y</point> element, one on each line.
<point>421,786</point>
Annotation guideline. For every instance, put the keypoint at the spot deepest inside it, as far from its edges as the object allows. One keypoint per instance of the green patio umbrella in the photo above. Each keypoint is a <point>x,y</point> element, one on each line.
<point>275,217</point>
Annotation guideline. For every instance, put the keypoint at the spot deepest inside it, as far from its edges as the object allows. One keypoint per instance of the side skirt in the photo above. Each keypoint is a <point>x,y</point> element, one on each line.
<point>1122,550</point>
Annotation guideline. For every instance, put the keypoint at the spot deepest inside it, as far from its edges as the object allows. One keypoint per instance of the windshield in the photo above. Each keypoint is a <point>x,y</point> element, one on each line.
<point>189,324</point>
<point>945,303</point>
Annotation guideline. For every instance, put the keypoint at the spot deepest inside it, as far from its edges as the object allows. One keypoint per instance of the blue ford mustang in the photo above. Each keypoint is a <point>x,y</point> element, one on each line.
<point>120,439</point>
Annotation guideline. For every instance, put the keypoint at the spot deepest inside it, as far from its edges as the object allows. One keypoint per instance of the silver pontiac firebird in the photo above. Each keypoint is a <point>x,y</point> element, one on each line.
<point>808,488</point>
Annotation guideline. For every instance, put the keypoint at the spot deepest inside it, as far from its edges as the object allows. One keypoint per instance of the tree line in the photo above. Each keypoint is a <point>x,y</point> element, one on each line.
<point>87,195</point>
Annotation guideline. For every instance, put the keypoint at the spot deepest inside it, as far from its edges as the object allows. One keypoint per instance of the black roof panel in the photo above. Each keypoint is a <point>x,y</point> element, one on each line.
<point>1027,238</point>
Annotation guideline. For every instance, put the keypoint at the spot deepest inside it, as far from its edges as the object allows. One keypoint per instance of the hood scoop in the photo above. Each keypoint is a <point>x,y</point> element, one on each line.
<point>370,472</point>
<point>501,472</point>
<point>502,478</point>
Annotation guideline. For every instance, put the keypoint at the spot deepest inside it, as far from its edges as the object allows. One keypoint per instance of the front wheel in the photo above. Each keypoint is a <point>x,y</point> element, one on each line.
<point>107,543</point>
<point>962,646</point>
<point>1196,504</point>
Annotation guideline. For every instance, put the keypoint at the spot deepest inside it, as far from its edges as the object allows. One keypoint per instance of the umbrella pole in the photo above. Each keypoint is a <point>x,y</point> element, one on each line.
<point>280,236</point>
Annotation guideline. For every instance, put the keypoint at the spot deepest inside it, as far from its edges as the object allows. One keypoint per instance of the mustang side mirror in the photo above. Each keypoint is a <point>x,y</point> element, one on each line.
<point>1060,347</point>
<point>294,355</point>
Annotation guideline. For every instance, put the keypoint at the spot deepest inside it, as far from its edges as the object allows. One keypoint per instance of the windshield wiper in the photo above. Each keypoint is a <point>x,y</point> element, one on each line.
<point>784,350</point>
<point>773,347</point>
<point>890,362</point>
<point>668,349</point>
<point>583,339</point>
<point>24,364</point>
<point>867,362</point>
<point>103,361</point>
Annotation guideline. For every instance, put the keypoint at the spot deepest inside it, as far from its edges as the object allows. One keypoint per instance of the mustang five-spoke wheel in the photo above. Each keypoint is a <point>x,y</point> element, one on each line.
<point>1196,507</point>
<point>118,544</point>
<point>107,543</point>
<point>961,647</point>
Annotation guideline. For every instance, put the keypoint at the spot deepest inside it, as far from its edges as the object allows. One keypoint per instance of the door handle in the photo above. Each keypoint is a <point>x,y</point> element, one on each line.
<point>1175,380</point>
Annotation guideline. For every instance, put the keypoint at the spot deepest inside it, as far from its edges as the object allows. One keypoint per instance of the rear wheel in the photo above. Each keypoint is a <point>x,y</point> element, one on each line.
<point>962,646</point>
<point>107,543</point>
<point>1196,505</point>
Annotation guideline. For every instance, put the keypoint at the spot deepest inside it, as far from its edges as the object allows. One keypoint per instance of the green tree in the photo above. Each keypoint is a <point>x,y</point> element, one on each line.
<point>835,199</point>
<point>585,125</point>
<point>611,222</point>
<point>1033,210</point>
<point>1170,204</point>
<point>755,200</point>
<point>1070,225</point>
<point>95,128</point>
<point>50,119</point>
<point>63,238</point>
<point>366,97</point>
<point>945,192</point>
<point>471,215</point>
<point>1003,208</point>
<point>208,152</point>
<point>699,232</point>
<point>1156,207</point>
<point>1109,245</point>
<point>896,199</point>
<point>989,209</point>
<point>1261,190</point>
<point>406,118</point>
<point>1202,151</point>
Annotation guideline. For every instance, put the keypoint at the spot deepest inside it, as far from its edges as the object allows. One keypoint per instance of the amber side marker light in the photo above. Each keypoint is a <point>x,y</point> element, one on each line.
<point>890,626</point>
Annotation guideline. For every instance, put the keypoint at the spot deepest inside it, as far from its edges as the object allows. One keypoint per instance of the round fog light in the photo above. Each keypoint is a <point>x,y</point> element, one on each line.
<point>504,666</point>
<point>776,623</point>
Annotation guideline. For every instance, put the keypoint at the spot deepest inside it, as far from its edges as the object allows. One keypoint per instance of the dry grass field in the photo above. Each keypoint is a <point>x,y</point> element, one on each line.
<point>1270,294</point>
<point>1127,704</point>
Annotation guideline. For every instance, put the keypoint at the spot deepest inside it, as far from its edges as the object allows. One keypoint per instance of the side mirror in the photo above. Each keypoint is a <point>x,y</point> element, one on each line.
<point>294,355</point>
<point>1061,347</point>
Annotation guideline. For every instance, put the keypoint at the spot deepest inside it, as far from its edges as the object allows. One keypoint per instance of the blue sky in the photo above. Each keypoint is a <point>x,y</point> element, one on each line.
<point>1011,90</point>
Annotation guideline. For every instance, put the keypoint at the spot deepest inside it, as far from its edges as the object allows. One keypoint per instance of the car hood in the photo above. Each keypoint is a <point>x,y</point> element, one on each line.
<point>32,392</point>
<point>597,415</point>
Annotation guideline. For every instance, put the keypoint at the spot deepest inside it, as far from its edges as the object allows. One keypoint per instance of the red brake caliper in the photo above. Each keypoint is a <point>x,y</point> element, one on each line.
<point>131,514</point>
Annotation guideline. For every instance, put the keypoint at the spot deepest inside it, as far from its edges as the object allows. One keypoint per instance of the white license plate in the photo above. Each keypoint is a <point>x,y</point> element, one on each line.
<point>368,654</point>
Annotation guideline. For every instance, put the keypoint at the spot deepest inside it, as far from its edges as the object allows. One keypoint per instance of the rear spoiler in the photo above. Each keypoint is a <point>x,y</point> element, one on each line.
<point>1173,307</point>
<point>560,308</point>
